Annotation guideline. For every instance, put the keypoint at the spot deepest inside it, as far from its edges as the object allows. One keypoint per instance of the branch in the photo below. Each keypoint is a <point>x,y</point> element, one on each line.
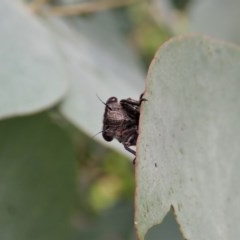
<point>83,8</point>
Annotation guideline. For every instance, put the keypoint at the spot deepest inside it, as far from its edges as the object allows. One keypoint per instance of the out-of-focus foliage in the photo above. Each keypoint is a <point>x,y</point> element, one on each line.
<point>146,33</point>
<point>180,4</point>
<point>217,18</point>
<point>37,179</point>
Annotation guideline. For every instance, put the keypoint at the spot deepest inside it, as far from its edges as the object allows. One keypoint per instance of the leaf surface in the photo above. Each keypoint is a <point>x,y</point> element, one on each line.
<point>218,18</point>
<point>37,180</point>
<point>188,149</point>
<point>32,76</point>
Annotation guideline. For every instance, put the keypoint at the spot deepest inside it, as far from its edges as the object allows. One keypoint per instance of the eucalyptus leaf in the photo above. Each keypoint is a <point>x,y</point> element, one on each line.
<point>37,180</point>
<point>32,72</point>
<point>218,18</point>
<point>188,148</point>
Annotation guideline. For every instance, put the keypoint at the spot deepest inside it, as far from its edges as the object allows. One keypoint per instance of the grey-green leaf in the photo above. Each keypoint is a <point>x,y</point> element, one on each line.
<point>218,18</point>
<point>37,180</point>
<point>32,72</point>
<point>188,151</point>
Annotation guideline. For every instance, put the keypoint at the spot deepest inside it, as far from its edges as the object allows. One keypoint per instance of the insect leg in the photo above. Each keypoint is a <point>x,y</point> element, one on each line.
<point>132,101</point>
<point>141,99</point>
<point>129,149</point>
<point>131,141</point>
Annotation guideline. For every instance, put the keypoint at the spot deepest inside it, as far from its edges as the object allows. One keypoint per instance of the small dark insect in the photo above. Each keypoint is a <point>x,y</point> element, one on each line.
<point>121,121</point>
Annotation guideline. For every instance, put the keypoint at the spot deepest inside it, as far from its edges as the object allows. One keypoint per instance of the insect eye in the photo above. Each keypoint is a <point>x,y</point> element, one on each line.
<point>107,137</point>
<point>111,100</point>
